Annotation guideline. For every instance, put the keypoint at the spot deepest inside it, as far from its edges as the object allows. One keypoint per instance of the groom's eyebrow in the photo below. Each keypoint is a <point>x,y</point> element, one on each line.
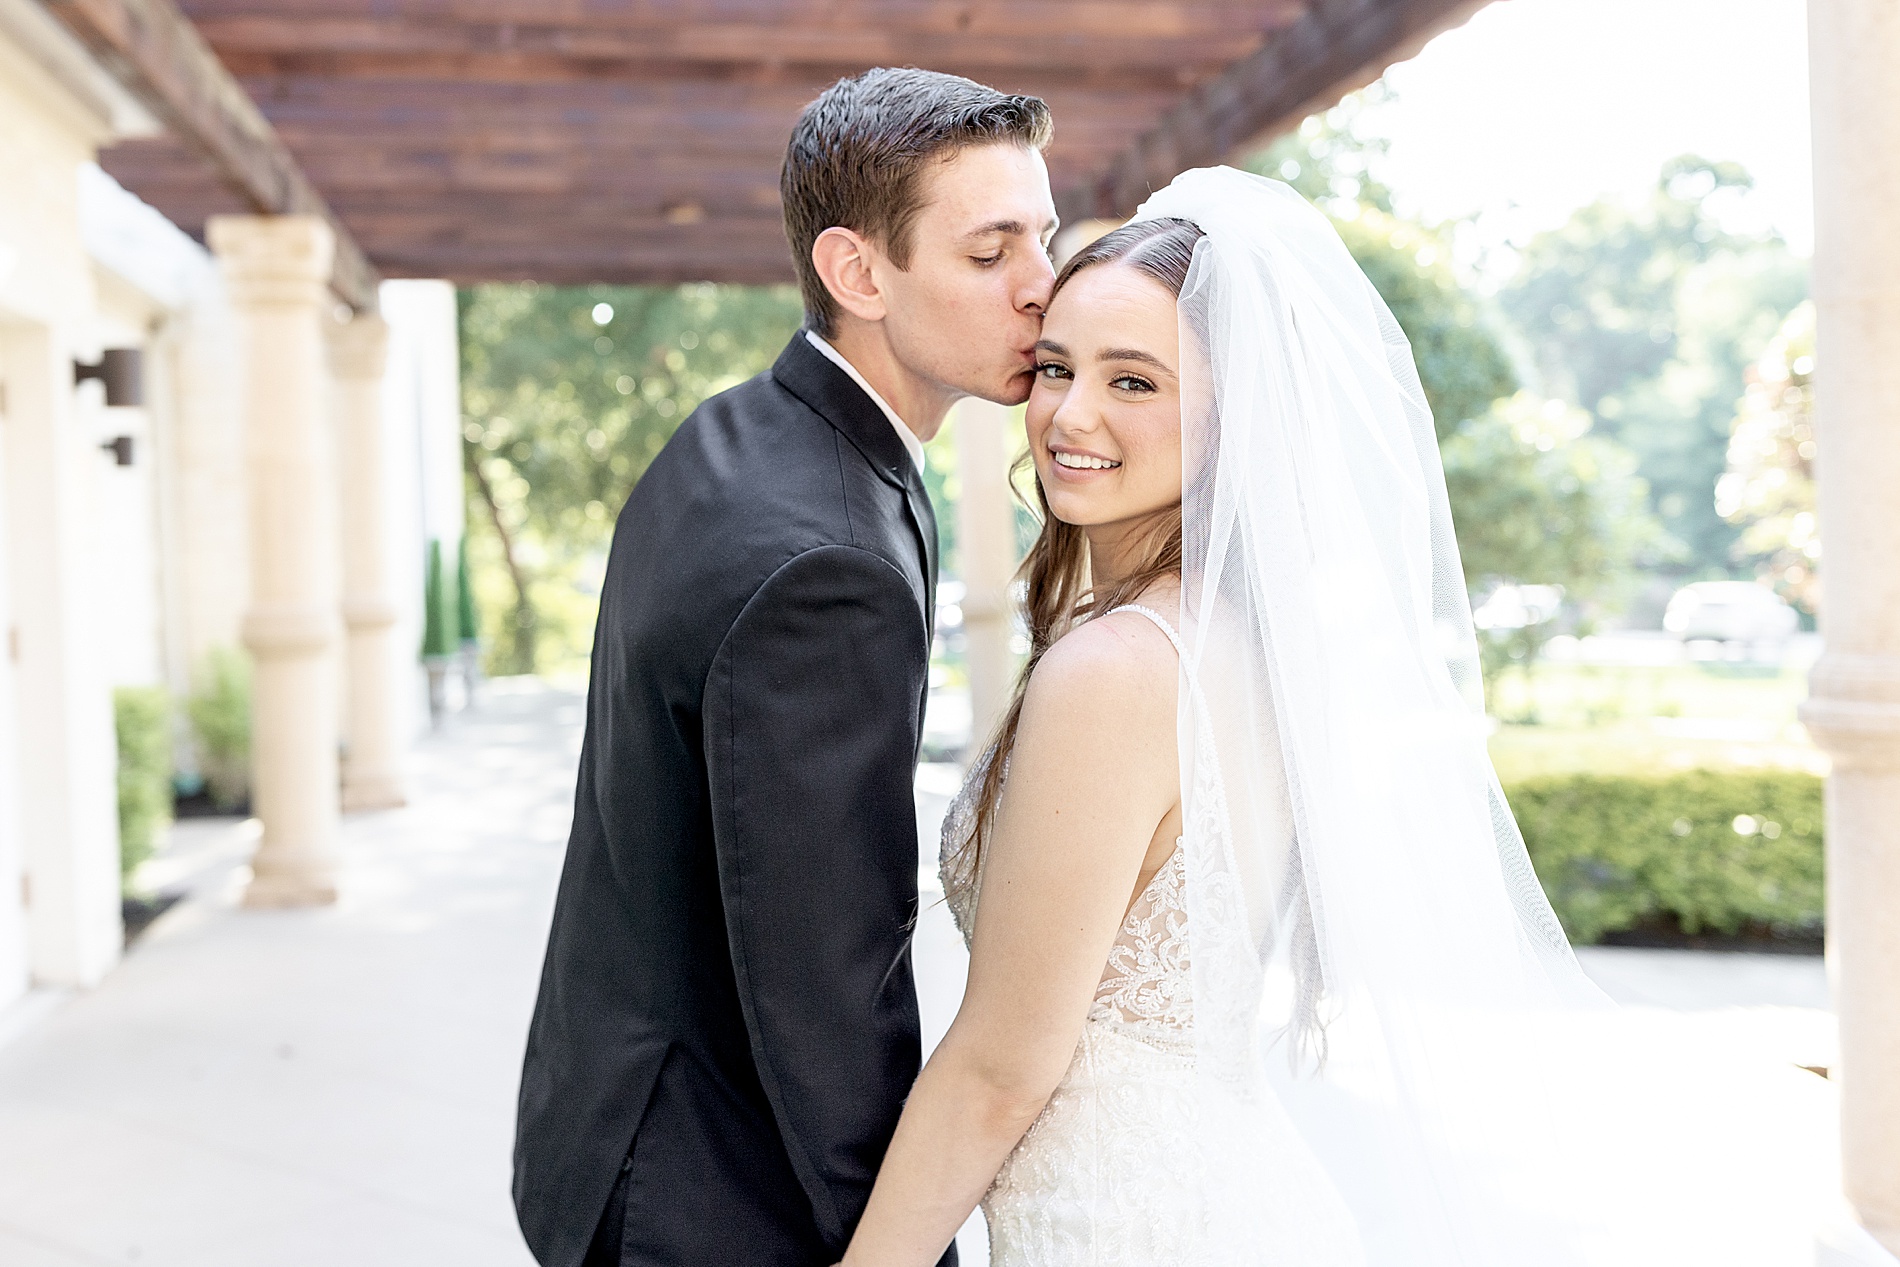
<point>1005,227</point>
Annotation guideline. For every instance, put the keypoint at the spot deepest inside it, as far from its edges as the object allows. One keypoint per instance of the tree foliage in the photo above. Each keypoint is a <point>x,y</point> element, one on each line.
<point>1534,499</point>
<point>1334,158</point>
<point>1461,362</point>
<point>567,394</point>
<point>1646,315</point>
<point>1545,500</point>
<point>1768,489</point>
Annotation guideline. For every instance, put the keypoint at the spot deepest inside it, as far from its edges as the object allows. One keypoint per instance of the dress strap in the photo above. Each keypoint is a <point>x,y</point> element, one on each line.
<point>1160,621</point>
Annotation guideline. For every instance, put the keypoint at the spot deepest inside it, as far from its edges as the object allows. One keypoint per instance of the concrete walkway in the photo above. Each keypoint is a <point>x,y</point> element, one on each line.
<point>337,1086</point>
<point>319,1087</point>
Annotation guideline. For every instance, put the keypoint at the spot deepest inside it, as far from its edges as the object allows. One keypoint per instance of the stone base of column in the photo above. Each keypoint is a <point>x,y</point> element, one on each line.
<point>277,889</point>
<point>372,789</point>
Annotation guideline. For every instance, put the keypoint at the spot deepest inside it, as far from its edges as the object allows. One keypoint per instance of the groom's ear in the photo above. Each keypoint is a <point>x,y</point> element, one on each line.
<point>843,259</point>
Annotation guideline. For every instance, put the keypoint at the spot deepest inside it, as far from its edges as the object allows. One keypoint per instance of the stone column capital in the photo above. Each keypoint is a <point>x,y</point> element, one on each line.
<point>273,260</point>
<point>359,347</point>
<point>1853,710</point>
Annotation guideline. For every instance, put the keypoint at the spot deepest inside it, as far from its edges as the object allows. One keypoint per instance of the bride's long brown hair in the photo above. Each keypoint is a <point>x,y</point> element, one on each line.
<point>1059,592</point>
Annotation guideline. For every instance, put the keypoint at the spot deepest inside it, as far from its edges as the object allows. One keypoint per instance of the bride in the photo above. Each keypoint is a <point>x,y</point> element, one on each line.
<point>1259,969</point>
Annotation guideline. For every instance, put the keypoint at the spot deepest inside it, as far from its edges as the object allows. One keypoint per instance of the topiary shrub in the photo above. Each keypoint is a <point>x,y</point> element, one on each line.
<point>220,709</point>
<point>1718,850</point>
<point>142,721</point>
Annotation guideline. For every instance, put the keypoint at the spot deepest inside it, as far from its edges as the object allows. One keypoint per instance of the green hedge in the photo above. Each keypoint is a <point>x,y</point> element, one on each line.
<point>142,719</point>
<point>1719,850</point>
<point>220,710</point>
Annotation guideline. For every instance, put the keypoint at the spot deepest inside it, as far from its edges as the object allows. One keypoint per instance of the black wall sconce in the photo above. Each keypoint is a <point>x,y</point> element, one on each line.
<point>120,447</point>
<point>122,370</point>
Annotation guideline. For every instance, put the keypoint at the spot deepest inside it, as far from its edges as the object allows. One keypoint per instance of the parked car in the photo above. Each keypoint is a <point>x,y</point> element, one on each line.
<point>1518,606</point>
<point>1730,611</point>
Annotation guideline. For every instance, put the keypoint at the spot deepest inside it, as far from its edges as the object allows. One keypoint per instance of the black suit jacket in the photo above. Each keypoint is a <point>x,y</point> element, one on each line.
<point>727,1001</point>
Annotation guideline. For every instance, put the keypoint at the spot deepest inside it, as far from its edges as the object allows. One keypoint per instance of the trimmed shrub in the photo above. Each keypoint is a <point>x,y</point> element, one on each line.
<point>441,631</point>
<point>142,720</point>
<point>220,709</point>
<point>1718,850</point>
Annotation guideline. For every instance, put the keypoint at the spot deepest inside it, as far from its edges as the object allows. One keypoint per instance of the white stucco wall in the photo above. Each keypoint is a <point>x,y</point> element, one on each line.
<point>59,881</point>
<point>422,411</point>
<point>176,522</point>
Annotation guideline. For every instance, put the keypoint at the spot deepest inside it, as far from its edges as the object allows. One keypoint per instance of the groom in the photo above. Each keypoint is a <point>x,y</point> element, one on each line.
<point>727,1024</point>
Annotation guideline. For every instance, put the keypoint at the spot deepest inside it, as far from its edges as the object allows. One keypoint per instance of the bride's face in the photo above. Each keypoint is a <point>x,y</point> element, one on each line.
<point>1104,416</point>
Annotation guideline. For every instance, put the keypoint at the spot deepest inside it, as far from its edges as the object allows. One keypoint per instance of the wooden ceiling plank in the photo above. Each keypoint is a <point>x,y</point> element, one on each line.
<point>525,21</point>
<point>852,46</point>
<point>154,52</point>
<point>1017,73</point>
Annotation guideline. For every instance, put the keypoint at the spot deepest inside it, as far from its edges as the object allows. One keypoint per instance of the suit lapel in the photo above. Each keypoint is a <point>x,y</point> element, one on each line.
<point>805,372</point>
<point>923,518</point>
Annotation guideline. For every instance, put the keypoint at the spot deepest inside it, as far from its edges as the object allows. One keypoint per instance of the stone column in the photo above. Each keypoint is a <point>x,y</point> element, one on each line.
<point>372,775</point>
<point>276,269</point>
<point>1854,707</point>
<point>986,558</point>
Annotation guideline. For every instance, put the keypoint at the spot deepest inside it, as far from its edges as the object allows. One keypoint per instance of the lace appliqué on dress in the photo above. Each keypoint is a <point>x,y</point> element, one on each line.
<point>1146,985</point>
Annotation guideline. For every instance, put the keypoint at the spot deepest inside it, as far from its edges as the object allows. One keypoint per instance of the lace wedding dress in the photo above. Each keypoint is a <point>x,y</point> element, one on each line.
<point>1123,1168</point>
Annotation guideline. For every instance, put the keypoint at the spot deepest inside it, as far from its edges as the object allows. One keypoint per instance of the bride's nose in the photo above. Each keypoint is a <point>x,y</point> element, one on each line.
<point>1079,412</point>
<point>1075,417</point>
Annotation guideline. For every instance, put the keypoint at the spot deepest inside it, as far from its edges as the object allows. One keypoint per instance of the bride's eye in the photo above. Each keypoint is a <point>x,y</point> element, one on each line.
<point>1131,383</point>
<point>1054,371</point>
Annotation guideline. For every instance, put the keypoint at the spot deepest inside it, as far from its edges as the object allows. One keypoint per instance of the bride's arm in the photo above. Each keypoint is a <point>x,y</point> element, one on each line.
<point>1092,775</point>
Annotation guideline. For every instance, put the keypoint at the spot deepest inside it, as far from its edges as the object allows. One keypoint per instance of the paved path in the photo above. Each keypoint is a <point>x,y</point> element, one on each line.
<point>337,1086</point>
<point>325,1087</point>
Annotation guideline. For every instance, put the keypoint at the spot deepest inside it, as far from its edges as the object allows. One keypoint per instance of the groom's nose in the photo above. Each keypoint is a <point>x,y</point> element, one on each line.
<point>1033,290</point>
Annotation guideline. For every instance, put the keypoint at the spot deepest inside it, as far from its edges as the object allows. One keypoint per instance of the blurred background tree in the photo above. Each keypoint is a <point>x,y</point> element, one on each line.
<point>1768,489</point>
<point>1461,360</point>
<point>1646,316</point>
<point>1545,500</point>
<point>1535,498</point>
<point>567,395</point>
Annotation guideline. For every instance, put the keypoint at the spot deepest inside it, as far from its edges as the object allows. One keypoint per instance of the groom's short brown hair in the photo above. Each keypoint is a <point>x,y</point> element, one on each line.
<point>858,153</point>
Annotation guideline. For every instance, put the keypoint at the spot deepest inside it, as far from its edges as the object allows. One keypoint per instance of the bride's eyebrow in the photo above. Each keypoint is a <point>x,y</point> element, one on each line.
<point>1134,354</point>
<point>1051,346</point>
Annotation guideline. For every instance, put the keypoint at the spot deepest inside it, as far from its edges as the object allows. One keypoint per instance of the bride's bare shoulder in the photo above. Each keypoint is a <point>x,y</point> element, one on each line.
<point>1117,668</point>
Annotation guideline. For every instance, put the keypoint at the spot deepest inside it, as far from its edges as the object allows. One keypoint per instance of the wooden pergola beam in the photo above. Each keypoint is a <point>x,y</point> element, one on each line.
<point>1336,46</point>
<point>162,60</point>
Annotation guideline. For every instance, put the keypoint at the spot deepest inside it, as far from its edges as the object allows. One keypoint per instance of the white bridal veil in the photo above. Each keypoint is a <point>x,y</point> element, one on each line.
<point>1369,942</point>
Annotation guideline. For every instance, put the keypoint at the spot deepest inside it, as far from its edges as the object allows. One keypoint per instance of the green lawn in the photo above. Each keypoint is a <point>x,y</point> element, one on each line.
<point>1565,719</point>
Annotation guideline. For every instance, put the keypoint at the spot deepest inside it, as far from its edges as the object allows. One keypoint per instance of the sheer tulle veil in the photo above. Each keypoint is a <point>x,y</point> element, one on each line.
<point>1370,946</point>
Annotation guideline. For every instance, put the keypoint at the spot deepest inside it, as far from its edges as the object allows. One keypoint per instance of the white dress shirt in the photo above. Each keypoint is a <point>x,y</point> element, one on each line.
<point>912,445</point>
